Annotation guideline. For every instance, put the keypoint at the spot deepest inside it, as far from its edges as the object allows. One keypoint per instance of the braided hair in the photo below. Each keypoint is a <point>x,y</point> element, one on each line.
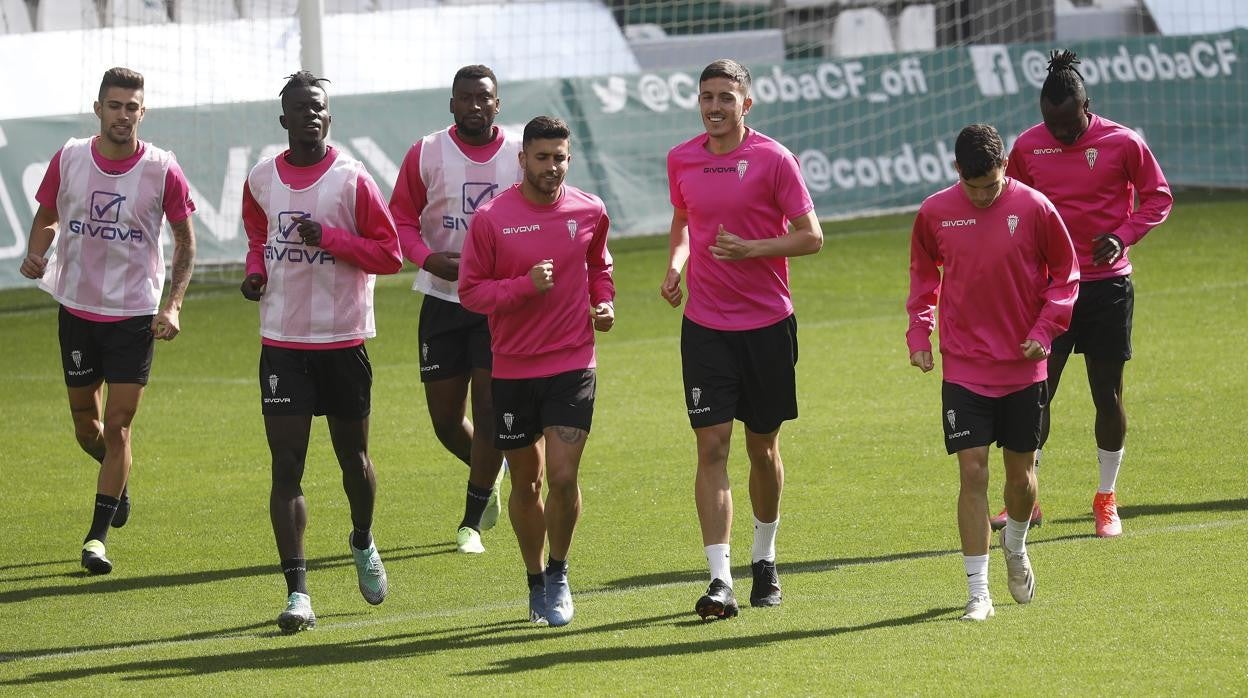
<point>303,78</point>
<point>1064,80</point>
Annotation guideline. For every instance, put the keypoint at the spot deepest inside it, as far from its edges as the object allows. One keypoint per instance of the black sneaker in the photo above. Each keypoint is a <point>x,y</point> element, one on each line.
<point>766,589</point>
<point>123,512</point>
<point>718,602</point>
<point>93,559</point>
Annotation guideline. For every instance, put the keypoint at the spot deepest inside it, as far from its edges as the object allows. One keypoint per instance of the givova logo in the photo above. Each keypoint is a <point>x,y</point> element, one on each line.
<point>273,399</point>
<point>104,214</point>
<point>287,222</point>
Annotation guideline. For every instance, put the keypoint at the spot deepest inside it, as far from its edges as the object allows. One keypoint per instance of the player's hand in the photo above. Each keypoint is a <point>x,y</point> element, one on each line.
<point>1034,350</point>
<point>729,247</point>
<point>670,289</point>
<point>1106,249</point>
<point>603,315</point>
<point>309,231</point>
<point>166,325</point>
<point>922,359</point>
<point>543,275</point>
<point>34,265</point>
<point>444,265</point>
<point>253,287</point>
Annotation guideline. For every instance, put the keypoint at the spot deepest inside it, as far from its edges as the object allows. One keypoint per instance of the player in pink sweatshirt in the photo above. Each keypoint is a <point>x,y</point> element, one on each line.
<point>740,209</point>
<point>318,231</point>
<point>536,262</point>
<point>1093,170</point>
<point>1008,286</point>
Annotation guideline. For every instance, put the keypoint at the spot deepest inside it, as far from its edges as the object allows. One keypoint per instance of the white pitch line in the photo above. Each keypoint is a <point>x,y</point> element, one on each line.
<point>478,610</point>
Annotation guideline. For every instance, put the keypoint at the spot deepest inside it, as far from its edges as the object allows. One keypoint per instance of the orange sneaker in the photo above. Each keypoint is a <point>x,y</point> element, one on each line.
<point>1105,511</point>
<point>998,522</point>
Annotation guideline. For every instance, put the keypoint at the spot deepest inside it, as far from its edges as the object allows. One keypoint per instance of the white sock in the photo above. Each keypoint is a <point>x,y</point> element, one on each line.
<point>1016,534</point>
<point>721,565</point>
<point>976,574</point>
<point>1110,462</point>
<point>764,540</point>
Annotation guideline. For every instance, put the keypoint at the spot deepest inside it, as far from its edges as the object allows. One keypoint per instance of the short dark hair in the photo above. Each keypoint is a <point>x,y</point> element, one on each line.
<point>303,78</point>
<point>727,68</point>
<point>978,150</point>
<point>120,77</point>
<point>475,72</point>
<point>1064,80</point>
<point>545,127</point>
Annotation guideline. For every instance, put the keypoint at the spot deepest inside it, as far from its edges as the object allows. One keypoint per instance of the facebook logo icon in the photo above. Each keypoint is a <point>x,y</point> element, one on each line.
<point>993,70</point>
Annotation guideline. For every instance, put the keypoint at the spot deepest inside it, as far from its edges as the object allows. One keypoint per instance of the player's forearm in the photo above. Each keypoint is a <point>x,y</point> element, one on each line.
<point>183,263</point>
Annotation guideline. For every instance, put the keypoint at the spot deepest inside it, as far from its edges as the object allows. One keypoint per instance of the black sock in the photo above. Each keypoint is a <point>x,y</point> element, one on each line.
<point>105,508</point>
<point>361,540</point>
<point>474,505</point>
<point>295,570</point>
<point>535,580</point>
<point>554,567</point>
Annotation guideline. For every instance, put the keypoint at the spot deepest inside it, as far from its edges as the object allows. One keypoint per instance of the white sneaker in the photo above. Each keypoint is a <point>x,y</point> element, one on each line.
<point>468,541</point>
<point>298,614</point>
<point>979,608</point>
<point>1021,581</point>
<point>494,507</point>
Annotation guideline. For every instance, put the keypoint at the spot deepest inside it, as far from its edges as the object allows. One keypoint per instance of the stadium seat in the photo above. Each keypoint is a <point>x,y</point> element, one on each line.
<point>860,32</point>
<point>66,14</point>
<point>916,28</point>
<point>130,13</point>
<point>202,11</point>
<point>14,17</point>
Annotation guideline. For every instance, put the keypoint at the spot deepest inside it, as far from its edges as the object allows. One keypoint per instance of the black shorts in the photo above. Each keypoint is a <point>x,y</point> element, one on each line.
<point>1012,421</point>
<point>523,407</point>
<point>453,340</point>
<point>116,352</point>
<point>1101,325</point>
<point>747,375</point>
<point>335,382</point>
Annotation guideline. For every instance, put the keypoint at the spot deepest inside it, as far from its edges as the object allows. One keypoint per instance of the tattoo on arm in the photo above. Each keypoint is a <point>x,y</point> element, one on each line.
<point>570,435</point>
<point>183,260</point>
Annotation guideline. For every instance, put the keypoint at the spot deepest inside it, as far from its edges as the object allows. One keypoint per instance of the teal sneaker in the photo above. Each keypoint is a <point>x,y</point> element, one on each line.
<point>468,541</point>
<point>494,507</point>
<point>558,599</point>
<point>298,614</point>
<point>93,558</point>
<point>372,574</point>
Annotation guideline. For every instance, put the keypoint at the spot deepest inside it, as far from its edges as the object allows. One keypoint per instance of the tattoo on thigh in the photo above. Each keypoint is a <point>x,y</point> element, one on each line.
<point>570,435</point>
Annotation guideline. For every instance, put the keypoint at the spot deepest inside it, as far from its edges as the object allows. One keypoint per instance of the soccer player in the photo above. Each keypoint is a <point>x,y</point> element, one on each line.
<point>536,262</point>
<point>734,192</point>
<point>444,178</point>
<point>1093,169</point>
<point>102,202</point>
<point>318,230</point>
<point>1007,289</point>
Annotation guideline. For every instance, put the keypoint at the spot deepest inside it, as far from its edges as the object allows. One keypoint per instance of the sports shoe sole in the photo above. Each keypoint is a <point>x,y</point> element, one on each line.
<point>95,564</point>
<point>711,609</point>
<point>294,624</point>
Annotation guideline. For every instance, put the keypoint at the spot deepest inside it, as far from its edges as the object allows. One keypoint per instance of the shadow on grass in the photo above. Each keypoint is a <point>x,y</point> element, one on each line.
<point>79,582</point>
<point>1131,511</point>
<point>296,653</point>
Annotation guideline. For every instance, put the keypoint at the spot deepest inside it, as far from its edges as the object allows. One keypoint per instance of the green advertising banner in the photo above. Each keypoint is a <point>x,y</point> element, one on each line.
<point>872,134</point>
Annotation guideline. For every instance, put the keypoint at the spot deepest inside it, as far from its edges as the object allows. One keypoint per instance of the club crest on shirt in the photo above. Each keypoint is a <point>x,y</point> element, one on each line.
<point>1090,154</point>
<point>508,420</point>
<point>952,418</point>
<point>742,166</point>
<point>77,357</point>
<point>273,384</point>
<point>571,228</point>
<point>695,394</point>
<point>1012,221</point>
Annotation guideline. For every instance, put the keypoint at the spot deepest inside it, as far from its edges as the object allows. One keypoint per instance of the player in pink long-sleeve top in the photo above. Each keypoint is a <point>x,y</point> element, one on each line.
<point>734,193</point>
<point>318,231</point>
<point>1007,290</point>
<point>536,262</point>
<point>102,202</point>
<point>1093,170</point>
<point>444,178</point>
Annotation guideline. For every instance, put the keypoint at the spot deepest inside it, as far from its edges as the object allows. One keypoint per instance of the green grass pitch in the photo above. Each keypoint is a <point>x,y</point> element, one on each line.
<point>868,543</point>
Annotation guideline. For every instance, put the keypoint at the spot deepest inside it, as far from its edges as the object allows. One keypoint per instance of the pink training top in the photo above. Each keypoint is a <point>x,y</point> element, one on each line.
<point>176,205</point>
<point>534,334</point>
<point>1093,183</point>
<point>318,297</point>
<point>1009,276</point>
<point>753,191</point>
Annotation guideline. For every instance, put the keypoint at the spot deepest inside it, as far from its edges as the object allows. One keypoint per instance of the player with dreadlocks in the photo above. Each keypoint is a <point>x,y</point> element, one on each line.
<point>1093,169</point>
<point>318,230</point>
